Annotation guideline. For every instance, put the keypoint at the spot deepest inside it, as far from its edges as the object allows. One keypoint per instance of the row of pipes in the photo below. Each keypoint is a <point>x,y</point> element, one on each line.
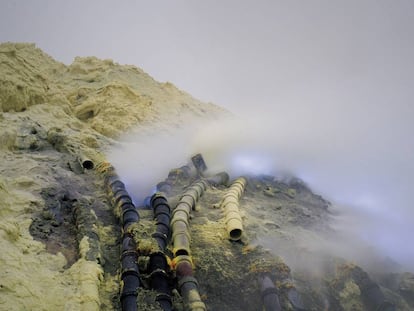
<point>174,225</point>
<point>179,227</point>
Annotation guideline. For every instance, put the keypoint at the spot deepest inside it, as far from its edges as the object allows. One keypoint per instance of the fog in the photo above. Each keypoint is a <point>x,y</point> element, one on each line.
<point>361,164</point>
<point>322,90</point>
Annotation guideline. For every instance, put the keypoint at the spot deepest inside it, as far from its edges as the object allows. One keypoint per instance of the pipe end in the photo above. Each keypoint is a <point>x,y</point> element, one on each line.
<point>235,234</point>
<point>88,164</point>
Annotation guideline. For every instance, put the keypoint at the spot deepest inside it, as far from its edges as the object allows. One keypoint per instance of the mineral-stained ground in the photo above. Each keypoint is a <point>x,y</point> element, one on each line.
<point>60,238</point>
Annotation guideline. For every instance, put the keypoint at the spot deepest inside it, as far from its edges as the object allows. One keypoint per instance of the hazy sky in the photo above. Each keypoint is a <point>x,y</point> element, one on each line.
<point>328,86</point>
<point>231,52</point>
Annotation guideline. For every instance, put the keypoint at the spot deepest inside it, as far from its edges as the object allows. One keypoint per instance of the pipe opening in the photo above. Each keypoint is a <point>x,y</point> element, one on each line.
<point>181,252</point>
<point>235,234</point>
<point>88,164</point>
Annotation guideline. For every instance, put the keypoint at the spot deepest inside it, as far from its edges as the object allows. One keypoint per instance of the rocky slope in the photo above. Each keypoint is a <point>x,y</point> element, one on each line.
<point>59,236</point>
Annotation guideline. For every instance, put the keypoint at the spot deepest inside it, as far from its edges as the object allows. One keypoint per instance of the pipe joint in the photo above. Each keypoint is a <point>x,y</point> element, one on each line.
<point>187,279</point>
<point>164,299</point>
<point>269,291</point>
<point>179,223</point>
<point>189,199</point>
<point>159,235</point>
<point>182,258</point>
<point>185,204</point>
<point>129,271</point>
<point>128,293</point>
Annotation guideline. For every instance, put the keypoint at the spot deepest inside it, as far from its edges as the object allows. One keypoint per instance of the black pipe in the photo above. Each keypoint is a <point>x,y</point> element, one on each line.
<point>129,275</point>
<point>162,214</point>
<point>123,205</point>
<point>129,215</point>
<point>269,294</point>
<point>199,163</point>
<point>158,265</point>
<point>164,186</point>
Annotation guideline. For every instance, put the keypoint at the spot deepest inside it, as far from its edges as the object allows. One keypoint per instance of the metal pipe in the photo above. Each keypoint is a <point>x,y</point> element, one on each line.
<point>230,205</point>
<point>85,161</point>
<point>158,263</point>
<point>162,215</point>
<point>269,294</point>
<point>199,163</point>
<point>125,209</point>
<point>86,156</point>
<point>175,176</point>
<point>129,274</point>
<point>179,222</point>
<point>187,284</point>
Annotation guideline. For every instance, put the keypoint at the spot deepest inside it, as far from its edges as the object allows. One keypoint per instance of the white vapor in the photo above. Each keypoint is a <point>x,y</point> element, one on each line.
<point>357,155</point>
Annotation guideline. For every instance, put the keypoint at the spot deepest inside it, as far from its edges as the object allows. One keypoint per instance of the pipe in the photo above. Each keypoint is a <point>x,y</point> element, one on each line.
<point>199,163</point>
<point>158,263</point>
<point>85,161</point>
<point>187,284</point>
<point>158,266</point>
<point>162,214</point>
<point>269,294</point>
<point>124,207</point>
<point>87,157</point>
<point>179,222</point>
<point>129,275</point>
<point>175,176</point>
<point>230,204</point>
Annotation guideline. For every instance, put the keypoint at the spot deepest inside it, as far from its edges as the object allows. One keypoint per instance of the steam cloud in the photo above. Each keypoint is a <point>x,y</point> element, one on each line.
<point>356,154</point>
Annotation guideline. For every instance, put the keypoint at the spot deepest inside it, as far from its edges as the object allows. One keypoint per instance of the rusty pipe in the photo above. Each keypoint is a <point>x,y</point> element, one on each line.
<point>187,284</point>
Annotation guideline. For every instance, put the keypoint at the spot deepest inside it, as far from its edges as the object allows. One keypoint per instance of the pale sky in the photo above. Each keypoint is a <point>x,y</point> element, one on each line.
<point>230,52</point>
<point>333,82</point>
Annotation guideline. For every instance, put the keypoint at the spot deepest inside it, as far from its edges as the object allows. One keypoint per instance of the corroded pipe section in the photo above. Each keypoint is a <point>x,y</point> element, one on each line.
<point>230,205</point>
<point>125,209</point>
<point>187,284</point>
